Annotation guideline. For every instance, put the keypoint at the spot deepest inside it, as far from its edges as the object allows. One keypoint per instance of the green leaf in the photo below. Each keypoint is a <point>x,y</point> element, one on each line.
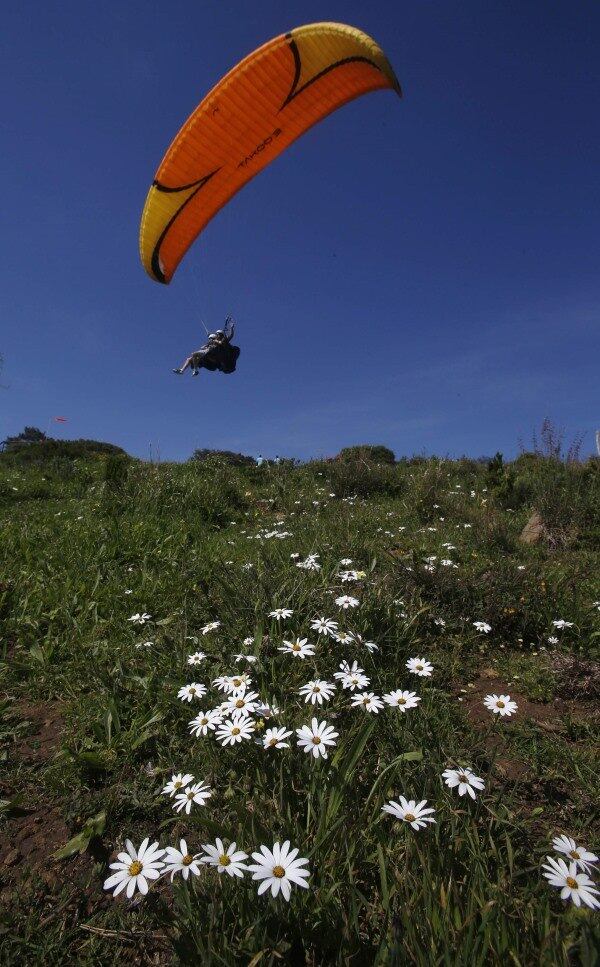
<point>92,827</point>
<point>92,761</point>
<point>415,756</point>
<point>385,897</point>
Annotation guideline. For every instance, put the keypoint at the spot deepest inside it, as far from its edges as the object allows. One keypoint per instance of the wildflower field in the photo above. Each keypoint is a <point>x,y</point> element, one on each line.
<point>336,713</point>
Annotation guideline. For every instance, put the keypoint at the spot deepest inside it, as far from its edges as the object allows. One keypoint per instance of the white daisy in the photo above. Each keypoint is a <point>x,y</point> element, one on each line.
<point>482,626</point>
<point>140,619</point>
<point>211,626</point>
<point>244,704</point>
<point>577,854</point>
<point>355,680</point>
<point>177,782</point>
<point>181,861</point>
<point>500,704</point>
<point>189,692</point>
<point>198,793</point>
<point>560,623</point>
<point>249,658</point>
<point>317,691</point>
<point>310,564</point>
<point>369,645</point>
<point>235,729</point>
<point>205,722</point>
<point>466,781</point>
<point>281,613</point>
<point>573,885</point>
<point>410,812</point>
<point>135,868</point>
<point>238,684</point>
<point>196,658</point>
<point>346,561</point>
<point>347,669</point>
<point>344,637</point>
<point>346,601</point>
<point>402,700</point>
<point>315,738</point>
<point>418,666</point>
<point>223,683</point>
<point>228,860</point>
<point>367,701</point>
<point>274,738</point>
<point>299,648</point>
<point>278,869</point>
<point>324,626</point>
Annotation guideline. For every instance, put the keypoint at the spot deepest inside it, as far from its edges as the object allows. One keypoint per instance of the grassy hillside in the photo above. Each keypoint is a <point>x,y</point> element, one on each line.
<point>93,728</point>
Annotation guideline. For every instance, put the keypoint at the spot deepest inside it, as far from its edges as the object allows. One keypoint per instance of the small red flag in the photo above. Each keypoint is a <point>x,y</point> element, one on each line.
<point>60,419</point>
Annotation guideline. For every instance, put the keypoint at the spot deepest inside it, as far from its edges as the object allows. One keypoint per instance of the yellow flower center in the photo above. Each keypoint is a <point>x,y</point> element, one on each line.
<point>295,647</point>
<point>419,668</point>
<point>224,860</point>
<point>192,691</point>
<point>237,682</point>
<point>203,721</point>
<point>190,795</point>
<point>500,704</point>
<point>187,859</point>
<point>316,689</point>
<point>572,883</point>
<point>279,872</point>
<point>235,731</point>
<point>272,742</point>
<point>401,701</point>
<point>574,854</point>
<point>178,784</point>
<point>462,777</point>
<point>366,701</point>
<point>135,868</point>
<point>240,703</point>
<point>316,740</point>
<point>409,818</point>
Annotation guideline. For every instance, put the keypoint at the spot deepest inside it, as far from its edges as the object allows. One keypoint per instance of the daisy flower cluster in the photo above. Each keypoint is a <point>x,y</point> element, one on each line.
<point>571,874</point>
<point>277,868</point>
<point>237,715</point>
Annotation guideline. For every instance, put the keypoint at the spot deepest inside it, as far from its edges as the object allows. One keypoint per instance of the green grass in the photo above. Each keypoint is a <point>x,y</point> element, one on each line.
<point>75,535</point>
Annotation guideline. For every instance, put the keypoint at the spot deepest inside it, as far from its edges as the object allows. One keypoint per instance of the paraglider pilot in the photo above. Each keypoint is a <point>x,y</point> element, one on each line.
<point>216,353</point>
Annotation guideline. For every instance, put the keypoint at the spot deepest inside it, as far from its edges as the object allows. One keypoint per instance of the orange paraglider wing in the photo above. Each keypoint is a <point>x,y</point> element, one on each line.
<point>259,108</point>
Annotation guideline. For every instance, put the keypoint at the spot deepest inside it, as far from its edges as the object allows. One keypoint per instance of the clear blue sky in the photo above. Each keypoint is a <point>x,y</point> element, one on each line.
<point>419,273</point>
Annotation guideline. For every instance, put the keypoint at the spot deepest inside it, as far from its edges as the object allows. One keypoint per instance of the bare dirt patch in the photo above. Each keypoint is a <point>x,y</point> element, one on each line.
<point>36,828</point>
<point>43,736</point>
<point>576,677</point>
<point>548,716</point>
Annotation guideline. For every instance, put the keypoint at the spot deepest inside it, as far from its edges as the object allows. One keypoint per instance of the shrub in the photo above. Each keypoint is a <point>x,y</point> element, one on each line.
<point>363,479</point>
<point>116,470</point>
<point>224,456</point>
<point>370,453</point>
<point>46,451</point>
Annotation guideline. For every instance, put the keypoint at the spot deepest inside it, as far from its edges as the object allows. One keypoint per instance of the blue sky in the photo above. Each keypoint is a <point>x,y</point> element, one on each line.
<point>420,273</point>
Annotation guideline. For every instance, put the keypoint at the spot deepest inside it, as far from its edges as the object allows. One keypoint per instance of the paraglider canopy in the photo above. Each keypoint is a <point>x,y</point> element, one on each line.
<point>253,114</point>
